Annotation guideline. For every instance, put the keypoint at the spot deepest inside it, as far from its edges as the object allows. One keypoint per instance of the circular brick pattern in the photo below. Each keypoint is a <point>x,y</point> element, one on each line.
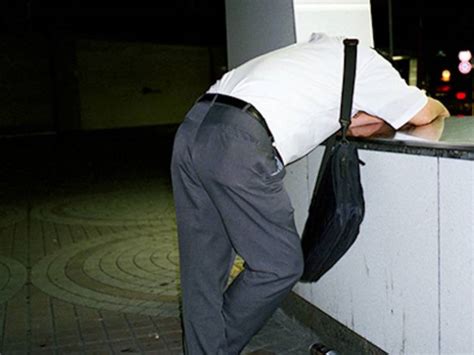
<point>122,207</point>
<point>132,271</point>
<point>13,276</point>
<point>10,214</point>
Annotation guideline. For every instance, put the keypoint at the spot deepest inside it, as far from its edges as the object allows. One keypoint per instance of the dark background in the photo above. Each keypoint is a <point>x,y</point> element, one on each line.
<point>418,26</point>
<point>172,22</point>
<point>42,142</point>
<point>424,25</point>
<point>431,33</point>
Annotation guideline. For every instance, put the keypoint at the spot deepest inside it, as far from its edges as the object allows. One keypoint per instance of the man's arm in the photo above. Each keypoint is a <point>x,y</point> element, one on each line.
<point>433,109</point>
<point>432,131</point>
<point>362,118</point>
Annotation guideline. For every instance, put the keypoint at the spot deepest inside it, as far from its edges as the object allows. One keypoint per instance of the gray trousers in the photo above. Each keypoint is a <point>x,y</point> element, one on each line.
<point>230,198</point>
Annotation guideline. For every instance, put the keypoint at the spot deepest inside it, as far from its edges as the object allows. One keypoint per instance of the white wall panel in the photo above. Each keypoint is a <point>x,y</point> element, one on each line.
<point>456,262</point>
<point>386,287</point>
<point>407,283</point>
<point>351,18</point>
<point>299,182</point>
<point>296,183</point>
<point>314,161</point>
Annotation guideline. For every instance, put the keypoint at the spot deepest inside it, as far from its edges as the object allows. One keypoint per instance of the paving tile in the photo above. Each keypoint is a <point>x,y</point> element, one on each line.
<point>175,352</point>
<point>15,348</point>
<point>92,338</point>
<point>146,330</point>
<point>97,349</point>
<point>68,340</point>
<point>70,350</point>
<point>126,346</point>
<point>94,290</point>
<point>148,344</point>
<point>36,352</point>
<point>41,347</point>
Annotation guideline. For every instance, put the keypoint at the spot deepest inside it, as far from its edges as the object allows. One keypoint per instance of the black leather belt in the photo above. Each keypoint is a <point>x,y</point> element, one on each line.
<point>240,104</point>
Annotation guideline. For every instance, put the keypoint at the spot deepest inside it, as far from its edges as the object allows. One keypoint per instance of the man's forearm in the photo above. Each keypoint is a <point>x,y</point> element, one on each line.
<point>362,118</point>
<point>433,109</point>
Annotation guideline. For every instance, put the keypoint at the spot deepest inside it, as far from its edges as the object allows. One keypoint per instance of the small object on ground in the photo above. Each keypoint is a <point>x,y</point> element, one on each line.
<point>261,352</point>
<point>321,349</point>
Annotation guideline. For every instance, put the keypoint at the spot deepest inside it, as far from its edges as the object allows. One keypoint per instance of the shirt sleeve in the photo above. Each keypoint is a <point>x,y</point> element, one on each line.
<point>382,92</point>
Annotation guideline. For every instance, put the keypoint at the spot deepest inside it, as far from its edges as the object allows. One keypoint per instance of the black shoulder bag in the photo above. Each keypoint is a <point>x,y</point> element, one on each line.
<point>337,206</point>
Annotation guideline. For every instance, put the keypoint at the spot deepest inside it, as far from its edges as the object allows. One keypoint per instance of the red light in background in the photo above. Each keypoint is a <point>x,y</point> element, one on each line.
<point>461,95</point>
<point>443,88</point>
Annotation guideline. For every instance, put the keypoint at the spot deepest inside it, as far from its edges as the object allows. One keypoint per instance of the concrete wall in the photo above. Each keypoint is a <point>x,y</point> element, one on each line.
<point>257,27</point>
<point>407,283</point>
<point>456,264</point>
<point>124,84</point>
<point>351,18</point>
<point>25,83</point>
<point>61,83</point>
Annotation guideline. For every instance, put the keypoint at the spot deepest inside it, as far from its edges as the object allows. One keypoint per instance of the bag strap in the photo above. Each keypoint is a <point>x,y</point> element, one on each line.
<point>350,54</point>
<point>348,81</point>
<point>350,59</point>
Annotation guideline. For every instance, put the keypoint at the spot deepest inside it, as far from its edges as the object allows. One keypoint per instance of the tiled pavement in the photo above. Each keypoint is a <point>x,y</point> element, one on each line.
<point>88,258</point>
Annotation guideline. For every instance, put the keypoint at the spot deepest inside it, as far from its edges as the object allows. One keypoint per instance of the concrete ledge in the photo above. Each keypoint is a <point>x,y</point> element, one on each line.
<point>331,332</point>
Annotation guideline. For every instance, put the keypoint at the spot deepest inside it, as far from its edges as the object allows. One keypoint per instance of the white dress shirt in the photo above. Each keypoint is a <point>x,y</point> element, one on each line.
<point>298,89</point>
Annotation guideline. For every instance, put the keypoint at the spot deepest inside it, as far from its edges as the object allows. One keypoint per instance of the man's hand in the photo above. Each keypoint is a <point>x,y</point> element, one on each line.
<point>432,131</point>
